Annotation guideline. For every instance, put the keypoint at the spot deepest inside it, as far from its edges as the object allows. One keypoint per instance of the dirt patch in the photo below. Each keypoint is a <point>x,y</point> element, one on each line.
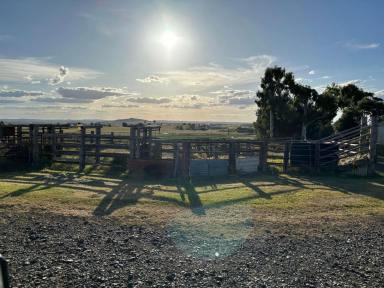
<point>50,250</point>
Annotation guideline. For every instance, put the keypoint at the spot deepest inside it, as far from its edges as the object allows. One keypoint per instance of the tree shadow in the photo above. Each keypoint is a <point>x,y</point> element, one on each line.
<point>370,186</point>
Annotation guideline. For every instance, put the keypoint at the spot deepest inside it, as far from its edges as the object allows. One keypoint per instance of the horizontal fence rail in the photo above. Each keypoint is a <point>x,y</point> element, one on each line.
<point>138,148</point>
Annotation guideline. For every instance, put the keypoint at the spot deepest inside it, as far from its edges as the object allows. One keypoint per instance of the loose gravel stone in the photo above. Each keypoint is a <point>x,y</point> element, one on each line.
<point>49,250</point>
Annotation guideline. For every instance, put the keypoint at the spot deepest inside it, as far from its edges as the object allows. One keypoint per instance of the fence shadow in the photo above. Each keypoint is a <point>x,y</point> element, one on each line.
<point>371,187</point>
<point>40,182</point>
<point>118,192</point>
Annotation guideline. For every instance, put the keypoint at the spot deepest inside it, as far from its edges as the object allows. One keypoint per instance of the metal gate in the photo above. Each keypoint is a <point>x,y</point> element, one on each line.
<point>208,167</point>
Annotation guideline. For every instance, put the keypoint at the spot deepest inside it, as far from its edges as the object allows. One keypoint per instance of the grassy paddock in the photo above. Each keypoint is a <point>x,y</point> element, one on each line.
<point>264,198</point>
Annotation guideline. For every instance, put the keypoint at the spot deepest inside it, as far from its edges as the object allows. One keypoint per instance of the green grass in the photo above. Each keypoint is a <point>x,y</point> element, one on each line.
<point>269,196</point>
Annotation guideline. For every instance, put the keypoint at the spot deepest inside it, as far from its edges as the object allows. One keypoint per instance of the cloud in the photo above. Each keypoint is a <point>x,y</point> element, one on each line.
<point>60,100</point>
<point>150,100</point>
<point>120,106</point>
<point>10,101</point>
<point>63,72</point>
<point>325,77</point>
<point>19,93</point>
<point>84,94</point>
<point>362,46</point>
<point>153,79</point>
<point>312,72</point>
<point>380,94</point>
<point>185,106</point>
<point>250,70</point>
<point>354,82</point>
<point>26,70</point>
<point>91,94</point>
<point>235,97</point>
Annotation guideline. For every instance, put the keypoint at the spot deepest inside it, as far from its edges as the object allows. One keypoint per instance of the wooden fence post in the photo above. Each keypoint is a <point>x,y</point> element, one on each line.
<point>61,132</point>
<point>132,143</point>
<point>232,158</point>
<point>19,134</point>
<point>287,149</point>
<point>35,144</point>
<point>372,145</point>
<point>176,155</point>
<point>263,155</point>
<point>82,149</point>
<point>157,151</point>
<point>97,141</point>
<point>317,156</point>
<point>92,140</point>
<point>186,158</point>
<point>53,143</point>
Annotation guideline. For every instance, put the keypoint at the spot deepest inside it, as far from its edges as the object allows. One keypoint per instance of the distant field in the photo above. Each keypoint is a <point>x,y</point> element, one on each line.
<point>169,131</point>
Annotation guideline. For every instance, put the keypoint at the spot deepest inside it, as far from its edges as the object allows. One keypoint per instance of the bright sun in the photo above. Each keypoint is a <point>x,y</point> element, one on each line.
<point>169,39</point>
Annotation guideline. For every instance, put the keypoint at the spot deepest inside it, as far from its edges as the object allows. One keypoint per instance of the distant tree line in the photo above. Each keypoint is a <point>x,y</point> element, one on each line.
<point>192,126</point>
<point>289,109</point>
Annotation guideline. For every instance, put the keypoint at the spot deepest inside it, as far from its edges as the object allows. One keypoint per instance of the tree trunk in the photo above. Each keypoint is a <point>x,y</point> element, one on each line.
<point>304,132</point>
<point>271,124</point>
<point>304,125</point>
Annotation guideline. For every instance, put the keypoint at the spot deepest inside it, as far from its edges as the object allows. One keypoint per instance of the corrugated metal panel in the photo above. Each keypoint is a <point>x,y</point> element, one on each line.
<point>198,168</point>
<point>208,167</point>
<point>217,167</point>
<point>247,165</point>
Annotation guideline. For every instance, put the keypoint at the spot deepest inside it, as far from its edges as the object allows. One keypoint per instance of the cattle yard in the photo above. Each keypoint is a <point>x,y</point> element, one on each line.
<point>194,212</point>
<point>138,148</point>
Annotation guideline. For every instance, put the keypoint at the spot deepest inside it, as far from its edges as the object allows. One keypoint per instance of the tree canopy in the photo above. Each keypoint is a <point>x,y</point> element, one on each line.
<point>289,109</point>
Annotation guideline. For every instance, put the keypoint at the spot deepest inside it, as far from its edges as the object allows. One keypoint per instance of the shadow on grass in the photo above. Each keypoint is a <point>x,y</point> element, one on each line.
<point>367,186</point>
<point>121,191</point>
<point>40,182</point>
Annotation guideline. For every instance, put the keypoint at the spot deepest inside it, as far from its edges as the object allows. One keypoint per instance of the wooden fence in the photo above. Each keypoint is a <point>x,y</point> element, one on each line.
<point>136,147</point>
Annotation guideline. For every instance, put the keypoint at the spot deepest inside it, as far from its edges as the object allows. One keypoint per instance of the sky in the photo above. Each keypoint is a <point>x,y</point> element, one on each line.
<point>199,60</point>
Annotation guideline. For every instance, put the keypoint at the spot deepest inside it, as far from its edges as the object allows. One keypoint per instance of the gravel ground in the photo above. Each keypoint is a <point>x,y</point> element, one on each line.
<point>49,250</point>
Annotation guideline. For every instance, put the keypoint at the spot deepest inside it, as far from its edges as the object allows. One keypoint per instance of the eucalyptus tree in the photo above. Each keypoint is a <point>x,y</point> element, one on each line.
<point>355,105</point>
<point>274,102</point>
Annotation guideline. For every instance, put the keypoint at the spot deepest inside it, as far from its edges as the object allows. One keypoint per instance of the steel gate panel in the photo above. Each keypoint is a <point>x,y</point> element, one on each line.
<point>208,167</point>
<point>247,165</point>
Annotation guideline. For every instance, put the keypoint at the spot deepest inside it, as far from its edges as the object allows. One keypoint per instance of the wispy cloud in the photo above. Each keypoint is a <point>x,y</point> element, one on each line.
<point>249,70</point>
<point>355,82</point>
<point>380,94</point>
<point>90,94</point>
<point>312,72</point>
<point>19,93</point>
<point>231,96</point>
<point>27,70</point>
<point>153,79</point>
<point>362,46</point>
<point>83,94</point>
<point>150,100</point>
<point>11,101</point>
<point>120,106</point>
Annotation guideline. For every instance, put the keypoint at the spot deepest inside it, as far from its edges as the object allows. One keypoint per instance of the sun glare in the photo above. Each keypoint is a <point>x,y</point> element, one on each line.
<point>169,40</point>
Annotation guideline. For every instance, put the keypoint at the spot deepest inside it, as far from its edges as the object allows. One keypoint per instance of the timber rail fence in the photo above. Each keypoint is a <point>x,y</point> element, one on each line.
<point>138,148</point>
